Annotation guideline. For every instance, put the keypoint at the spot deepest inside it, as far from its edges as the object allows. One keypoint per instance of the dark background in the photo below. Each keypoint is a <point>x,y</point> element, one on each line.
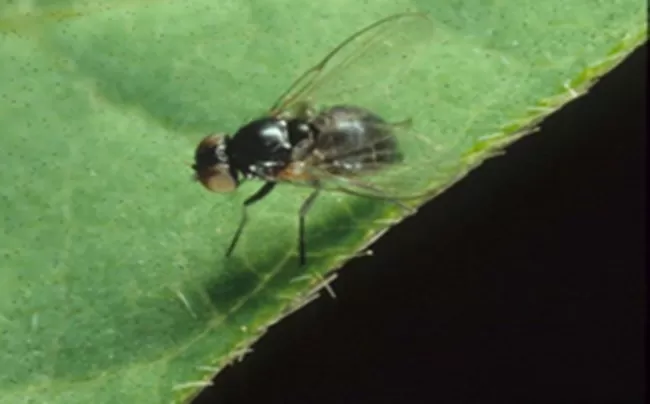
<point>524,283</point>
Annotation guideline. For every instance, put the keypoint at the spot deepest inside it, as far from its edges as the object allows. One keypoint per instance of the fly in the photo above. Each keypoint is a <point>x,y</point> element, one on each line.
<point>338,145</point>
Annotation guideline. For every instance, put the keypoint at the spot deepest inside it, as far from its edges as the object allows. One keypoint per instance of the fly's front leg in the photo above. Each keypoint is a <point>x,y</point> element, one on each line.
<point>261,193</point>
<point>304,209</point>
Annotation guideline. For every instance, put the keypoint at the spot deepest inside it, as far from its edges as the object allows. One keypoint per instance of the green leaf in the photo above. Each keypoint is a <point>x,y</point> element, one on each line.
<point>113,283</point>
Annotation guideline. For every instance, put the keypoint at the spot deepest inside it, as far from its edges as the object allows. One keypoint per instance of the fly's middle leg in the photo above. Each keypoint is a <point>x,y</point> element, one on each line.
<point>304,209</point>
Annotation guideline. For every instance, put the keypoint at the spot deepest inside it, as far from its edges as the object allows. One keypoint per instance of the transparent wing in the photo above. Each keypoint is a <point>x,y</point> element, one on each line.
<point>352,66</point>
<point>383,68</point>
<point>397,166</point>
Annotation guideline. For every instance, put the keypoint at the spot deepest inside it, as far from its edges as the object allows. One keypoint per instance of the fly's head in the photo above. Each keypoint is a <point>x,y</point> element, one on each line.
<point>211,164</point>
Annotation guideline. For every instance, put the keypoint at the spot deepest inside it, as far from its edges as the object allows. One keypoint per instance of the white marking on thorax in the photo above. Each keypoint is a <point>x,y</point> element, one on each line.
<point>279,135</point>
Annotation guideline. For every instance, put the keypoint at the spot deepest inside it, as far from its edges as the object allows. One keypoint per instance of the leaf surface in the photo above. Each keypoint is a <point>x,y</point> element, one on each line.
<point>114,288</point>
